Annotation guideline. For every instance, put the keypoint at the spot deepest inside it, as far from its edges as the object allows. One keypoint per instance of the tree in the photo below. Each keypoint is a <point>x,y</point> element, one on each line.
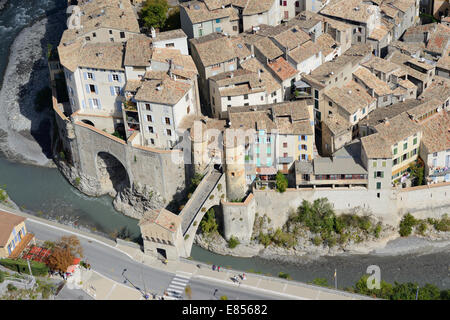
<point>417,170</point>
<point>282,182</point>
<point>72,243</point>
<point>208,223</point>
<point>188,292</point>
<point>233,242</point>
<point>60,259</point>
<point>154,13</point>
<point>406,225</point>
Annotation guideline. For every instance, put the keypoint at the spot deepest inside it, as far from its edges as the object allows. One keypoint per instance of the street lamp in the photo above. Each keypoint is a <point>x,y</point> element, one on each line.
<point>126,279</point>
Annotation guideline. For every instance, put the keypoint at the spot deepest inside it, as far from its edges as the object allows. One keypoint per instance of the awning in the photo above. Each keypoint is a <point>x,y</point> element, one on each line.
<point>301,84</point>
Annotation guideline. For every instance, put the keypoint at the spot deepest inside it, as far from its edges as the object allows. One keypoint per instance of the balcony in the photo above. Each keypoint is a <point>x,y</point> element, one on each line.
<point>130,106</point>
<point>132,118</point>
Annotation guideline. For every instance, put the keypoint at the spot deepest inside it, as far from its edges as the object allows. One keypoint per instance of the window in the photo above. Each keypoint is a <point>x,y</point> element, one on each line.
<point>330,103</point>
<point>383,164</point>
<point>354,117</point>
<point>122,34</point>
<point>234,28</point>
<point>150,129</point>
<point>385,99</point>
<point>187,97</point>
<point>285,144</point>
<point>245,96</point>
<point>152,141</point>
<point>404,157</point>
<point>415,141</point>
<point>218,29</point>
<point>395,151</point>
<point>304,147</point>
<point>285,155</point>
<point>88,38</point>
<point>364,110</point>
<point>169,132</point>
<point>378,174</point>
<point>188,110</point>
<point>316,94</point>
<point>414,152</point>
<point>170,45</point>
<point>111,39</point>
<point>94,35</point>
<point>374,164</point>
<point>90,75</point>
<point>95,103</point>
<point>117,90</point>
<point>148,107</point>
<point>268,139</point>
<point>297,4</point>
<point>405,146</point>
<point>246,104</point>
<point>229,98</point>
<point>149,118</point>
<point>167,120</point>
<point>92,88</point>
<point>217,20</point>
<point>435,154</point>
<point>262,98</point>
<point>110,31</point>
<point>303,156</point>
<point>378,185</point>
<point>115,77</point>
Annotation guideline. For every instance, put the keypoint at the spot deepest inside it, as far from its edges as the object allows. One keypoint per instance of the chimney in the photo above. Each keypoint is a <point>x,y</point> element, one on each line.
<point>153,32</point>
<point>170,68</point>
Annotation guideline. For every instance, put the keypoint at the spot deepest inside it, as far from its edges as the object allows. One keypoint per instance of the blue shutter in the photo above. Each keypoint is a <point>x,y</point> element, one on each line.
<point>307,157</point>
<point>306,147</point>
<point>299,138</point>
<point>91,103</point>
<point>93,76</point>
<point>96,89</point>
<point>113,93</point>
<point>87,89</point>
<point>85,75</point>
<point>306,138</point>
<point>83,104</point>
<point>110,78</point>
<point>299,147</point>
<point>99,104</point>
<point>23,231</point>
<point>120,78</point>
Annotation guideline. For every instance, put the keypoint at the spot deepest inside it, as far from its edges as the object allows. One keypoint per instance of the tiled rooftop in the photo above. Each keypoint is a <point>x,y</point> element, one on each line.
<point>370,80</point>
<point>436,132</point>
<point>352,97</point>
<point>169,92</point>
<point>282,69</point>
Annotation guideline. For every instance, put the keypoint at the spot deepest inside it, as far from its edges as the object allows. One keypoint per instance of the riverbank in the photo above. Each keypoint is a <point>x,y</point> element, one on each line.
<point>25,134</point>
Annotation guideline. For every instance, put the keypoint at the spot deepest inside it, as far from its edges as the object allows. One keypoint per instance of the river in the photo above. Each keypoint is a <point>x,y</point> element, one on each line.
<point>45,192</point>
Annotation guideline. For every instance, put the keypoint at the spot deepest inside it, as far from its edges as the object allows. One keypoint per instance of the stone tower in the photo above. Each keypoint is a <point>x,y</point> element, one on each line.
<point>234,165</point>
<point>199,141</point>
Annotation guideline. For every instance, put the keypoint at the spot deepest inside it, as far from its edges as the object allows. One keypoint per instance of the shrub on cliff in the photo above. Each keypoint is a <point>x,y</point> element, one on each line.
<point>209,223</point>
<point>406,225</point>
<point>281,181</point>
<point>233,242</point>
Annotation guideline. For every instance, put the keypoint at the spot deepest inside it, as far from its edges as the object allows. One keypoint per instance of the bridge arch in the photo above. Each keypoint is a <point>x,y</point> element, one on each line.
<point>89,122</point>
<point>111,173</point>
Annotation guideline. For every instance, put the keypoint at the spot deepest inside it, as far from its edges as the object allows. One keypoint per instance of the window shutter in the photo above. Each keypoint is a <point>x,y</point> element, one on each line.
<point>306,138</point>
<point>382,174</point>
<point>91,104</point>
<point>87,89</point>
<point>162,120</point>
<point>93,76</point>
<point>99,104</point>
<point>307,157</point>
<point>83,104</point>
<point>111,88</point>
<point>110,78</point>
<point>374,174</point>
<point>85,75</point>
<point>120,78</point>
<point>96,89</point>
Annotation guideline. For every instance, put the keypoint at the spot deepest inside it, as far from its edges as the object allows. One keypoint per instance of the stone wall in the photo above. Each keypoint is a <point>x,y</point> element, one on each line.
<point>239,218</point>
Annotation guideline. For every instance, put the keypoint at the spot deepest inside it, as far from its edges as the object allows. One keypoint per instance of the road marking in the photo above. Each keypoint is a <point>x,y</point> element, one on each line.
<point>176,287</point>
<point>110,291</point>
<point>259,281</point>
<point>285,286</point>
<point>178,284</point>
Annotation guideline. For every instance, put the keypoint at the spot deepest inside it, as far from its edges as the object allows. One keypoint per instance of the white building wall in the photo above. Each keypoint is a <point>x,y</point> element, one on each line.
<point>178,43</point>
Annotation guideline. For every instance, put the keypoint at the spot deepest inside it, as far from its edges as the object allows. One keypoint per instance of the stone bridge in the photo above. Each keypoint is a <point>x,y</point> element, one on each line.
<point>207,195</point>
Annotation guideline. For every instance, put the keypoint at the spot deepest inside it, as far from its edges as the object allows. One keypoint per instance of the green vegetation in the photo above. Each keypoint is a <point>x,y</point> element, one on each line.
<point>320,282</point>
<point>209,224</point>
<point>409,224</point>
<point>21,266</point>
<point>237,200</point>
<point>282,182</point>
<point>77,181</point>
<point>186,237</point>
<point>400,291</point>
<point>43,99</point>
<point>3,275</point>
<point>3,195</point>
<point>173,19</point>
<point>223,298</point>
<point>118,135</point>
<point>284,275</point>
<point>233,242</point>
<point>154,14</point>
<point>195,181</point>
<point>417,170</point>
<point>62,156</point>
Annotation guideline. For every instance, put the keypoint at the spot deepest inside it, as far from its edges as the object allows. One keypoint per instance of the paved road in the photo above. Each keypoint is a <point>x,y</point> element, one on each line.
<point>111,262</point>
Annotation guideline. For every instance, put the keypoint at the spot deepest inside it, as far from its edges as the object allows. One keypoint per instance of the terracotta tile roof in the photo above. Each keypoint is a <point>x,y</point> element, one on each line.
<point>423,108</point>
<point>7,222</point>
<point>402,5</point>
<point>382,65</point>
<point>257,6</point>
<point>170,91</point>
<point>282,69</point>
<point>370,80</point>
<point>132,85</point>
<point>436,132</point>
<point>305,51</point>
<point>239,82</point>
<point>198,11</point>
<point>407,84</point>
<point>216,48</point>
<point>346,9</point>
<point>138,51</point>
<point>439,40</point>
<point>444,61</point>
<point>171,34</point>
<point>163,218</point>
<point>439,89</point>
<point>378,115</point>
<point>336,123</point>
<point>326,43</point>
<point>112,14</point>
<point>401,59</point>
<point>352,97</point>
<point>292,37</point>
<point>269,81</point>
<point>284,118</point>
<point>379,33</point>
<point>107,56</point>
<point>267,48</point>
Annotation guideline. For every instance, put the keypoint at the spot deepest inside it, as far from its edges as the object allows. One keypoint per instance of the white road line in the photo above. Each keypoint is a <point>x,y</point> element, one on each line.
<point>181,278</point>
<point>110,291</point>
<point>186,273</point>
<point>174,290</point>
<point>175,286</point>
<point>179,283</point>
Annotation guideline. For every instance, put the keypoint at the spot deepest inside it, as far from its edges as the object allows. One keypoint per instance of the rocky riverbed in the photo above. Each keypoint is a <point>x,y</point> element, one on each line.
<point>25,134</point>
